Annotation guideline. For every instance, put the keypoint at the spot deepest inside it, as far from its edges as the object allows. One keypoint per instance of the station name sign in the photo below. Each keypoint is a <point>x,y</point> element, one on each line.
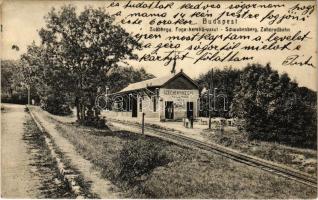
<point>178,93</point>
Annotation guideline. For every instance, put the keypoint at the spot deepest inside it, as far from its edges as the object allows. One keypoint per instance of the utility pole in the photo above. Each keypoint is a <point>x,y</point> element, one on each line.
<point>209,93</point>
<point>28,94</point>
<point>173,70</point>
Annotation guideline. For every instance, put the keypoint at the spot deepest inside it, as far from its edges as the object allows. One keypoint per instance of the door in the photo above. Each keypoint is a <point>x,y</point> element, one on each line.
<point>134,107</point>
<point>189,109</point>
<point>169,109</point>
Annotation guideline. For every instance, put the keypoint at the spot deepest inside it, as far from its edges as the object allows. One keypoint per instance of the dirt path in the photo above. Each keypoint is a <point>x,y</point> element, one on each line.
<point>17,181</point>
<point>28,169</point>
<point>99,186</point>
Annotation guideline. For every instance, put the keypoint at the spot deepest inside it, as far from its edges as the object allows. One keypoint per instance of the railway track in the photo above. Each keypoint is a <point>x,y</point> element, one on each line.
<point>229,153</point>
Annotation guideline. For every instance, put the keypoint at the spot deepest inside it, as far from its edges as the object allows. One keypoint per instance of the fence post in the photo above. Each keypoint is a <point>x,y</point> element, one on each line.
<point>143,124</point>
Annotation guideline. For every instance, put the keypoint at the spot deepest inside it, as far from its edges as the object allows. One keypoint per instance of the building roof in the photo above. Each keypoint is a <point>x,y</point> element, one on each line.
<point>155,82</point>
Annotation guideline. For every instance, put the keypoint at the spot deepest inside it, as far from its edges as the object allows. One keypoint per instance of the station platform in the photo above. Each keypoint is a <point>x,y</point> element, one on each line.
<point>177,126</point>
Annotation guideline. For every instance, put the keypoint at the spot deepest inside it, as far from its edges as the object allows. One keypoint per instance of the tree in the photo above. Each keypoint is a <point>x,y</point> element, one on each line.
<point>121,77</point>
<point>225,81</point>
<point>274,108</point>
<point>45,76</point>
<point>13,87</point>
<point>8,69</point>
<point>82,50</point>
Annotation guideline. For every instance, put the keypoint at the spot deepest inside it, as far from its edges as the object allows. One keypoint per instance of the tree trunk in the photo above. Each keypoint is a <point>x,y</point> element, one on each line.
<point>82,112</point>
<point>77,109</point>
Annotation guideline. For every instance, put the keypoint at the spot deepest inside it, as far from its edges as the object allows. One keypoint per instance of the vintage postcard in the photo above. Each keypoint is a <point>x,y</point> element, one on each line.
<point>159,99</point>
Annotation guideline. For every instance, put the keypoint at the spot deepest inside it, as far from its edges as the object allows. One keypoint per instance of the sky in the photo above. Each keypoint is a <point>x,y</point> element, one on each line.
<point>21,21</point>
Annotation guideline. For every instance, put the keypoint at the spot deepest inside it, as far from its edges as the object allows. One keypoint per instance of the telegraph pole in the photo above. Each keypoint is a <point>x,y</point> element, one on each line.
<point>209,93</point>
<point>173,70</point>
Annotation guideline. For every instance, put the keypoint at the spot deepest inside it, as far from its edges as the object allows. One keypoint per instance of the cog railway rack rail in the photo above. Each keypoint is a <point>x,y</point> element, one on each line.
<point>228,153</point>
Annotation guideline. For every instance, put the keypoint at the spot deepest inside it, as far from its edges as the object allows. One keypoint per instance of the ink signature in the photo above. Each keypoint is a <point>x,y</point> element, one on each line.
<point>298,60</point>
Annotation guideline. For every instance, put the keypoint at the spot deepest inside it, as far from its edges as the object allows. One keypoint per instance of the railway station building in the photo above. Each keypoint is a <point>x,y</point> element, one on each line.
<point>169,98</point>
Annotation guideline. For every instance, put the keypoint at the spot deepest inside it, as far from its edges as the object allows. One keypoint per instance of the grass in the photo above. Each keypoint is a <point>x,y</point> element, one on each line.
<point>189,174</point>
<point>43,165</point>
<point>300,159</point>
<point>47,166</point>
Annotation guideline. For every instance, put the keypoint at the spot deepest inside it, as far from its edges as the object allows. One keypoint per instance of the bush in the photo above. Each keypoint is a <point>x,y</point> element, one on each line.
<point>16,98</point>
<point>56,105</point>
<point>138,158</point>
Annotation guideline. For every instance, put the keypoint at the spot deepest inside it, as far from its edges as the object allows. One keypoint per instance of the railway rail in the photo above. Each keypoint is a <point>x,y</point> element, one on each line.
<point>265,165</point>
